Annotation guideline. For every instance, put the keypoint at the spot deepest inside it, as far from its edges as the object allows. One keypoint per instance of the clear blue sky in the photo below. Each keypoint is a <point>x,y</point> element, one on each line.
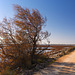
<point>60,16</point>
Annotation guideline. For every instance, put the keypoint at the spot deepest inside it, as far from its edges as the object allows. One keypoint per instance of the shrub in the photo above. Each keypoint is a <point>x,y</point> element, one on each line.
<point>21,36</point>
<point>8,72</point>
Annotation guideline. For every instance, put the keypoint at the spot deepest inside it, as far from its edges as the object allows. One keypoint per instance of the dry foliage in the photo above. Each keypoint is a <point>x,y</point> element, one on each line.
<point>20,37</point>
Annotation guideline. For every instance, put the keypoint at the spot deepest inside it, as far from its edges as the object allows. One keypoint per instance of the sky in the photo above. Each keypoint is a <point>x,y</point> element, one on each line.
<point>60,16</point>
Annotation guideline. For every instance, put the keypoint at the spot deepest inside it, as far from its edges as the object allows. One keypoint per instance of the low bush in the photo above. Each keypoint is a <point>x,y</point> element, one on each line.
<point>8,72</point>
<point>71,49</point>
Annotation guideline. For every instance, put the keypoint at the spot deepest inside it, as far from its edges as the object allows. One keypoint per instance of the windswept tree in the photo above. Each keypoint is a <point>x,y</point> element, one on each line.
<point>20,42</point>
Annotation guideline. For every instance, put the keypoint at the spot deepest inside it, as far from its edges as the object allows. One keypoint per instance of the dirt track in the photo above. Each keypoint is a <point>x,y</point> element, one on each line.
<point>63,66</point>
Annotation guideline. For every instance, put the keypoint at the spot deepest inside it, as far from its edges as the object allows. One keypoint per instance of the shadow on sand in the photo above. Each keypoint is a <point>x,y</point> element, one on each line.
<point>59,68</point>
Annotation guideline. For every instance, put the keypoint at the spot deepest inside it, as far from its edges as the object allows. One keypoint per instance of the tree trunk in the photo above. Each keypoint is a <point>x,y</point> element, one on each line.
<point>33,53</point>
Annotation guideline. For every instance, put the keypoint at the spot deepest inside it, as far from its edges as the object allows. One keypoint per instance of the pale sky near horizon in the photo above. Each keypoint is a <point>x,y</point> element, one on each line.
<point>60,16</point>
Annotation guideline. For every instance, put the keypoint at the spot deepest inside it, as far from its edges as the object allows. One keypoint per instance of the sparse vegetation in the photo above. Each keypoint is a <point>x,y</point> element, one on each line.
<point>21,36</point>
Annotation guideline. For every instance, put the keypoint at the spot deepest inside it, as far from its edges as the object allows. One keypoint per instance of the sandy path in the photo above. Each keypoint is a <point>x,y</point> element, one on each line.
<point>63,66</point>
